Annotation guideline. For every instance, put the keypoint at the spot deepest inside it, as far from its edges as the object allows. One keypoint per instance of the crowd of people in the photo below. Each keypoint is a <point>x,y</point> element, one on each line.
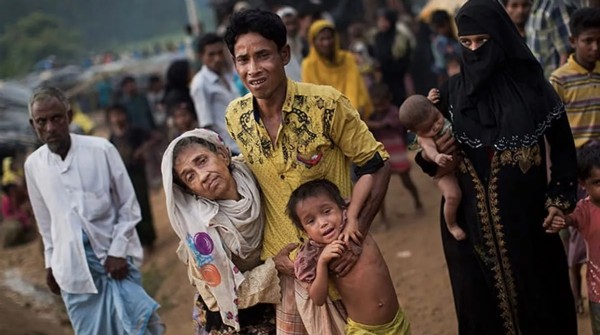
<point>283,134</point>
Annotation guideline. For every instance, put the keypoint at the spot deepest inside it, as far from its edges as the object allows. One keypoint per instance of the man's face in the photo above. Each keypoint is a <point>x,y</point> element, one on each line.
<point>129,87</point>
<point>519,11</point>
<point>260,64</point>
<point>292,24</point>
<point>214,57</point>
<point>117,120</point>
<point>587,46</point>
<point>183,119</point>
<point>325,43</point>
<point>50,121</point>
<point>383,24</point>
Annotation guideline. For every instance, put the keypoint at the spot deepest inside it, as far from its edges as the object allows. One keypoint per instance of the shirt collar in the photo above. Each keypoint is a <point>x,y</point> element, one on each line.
<point>580,68</point>
<point>291,91</point>
<point>66,163</point>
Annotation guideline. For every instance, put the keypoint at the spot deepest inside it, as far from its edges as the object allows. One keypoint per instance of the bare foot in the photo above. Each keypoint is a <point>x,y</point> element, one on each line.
<point>457,232</point>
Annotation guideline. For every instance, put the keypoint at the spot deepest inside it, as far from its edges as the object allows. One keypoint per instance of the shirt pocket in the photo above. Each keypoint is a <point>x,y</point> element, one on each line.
<point>96,206</point>
<point>311,159</point>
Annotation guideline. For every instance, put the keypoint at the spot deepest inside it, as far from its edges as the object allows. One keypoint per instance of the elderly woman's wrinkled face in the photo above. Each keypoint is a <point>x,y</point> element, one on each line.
<point>205,173</point>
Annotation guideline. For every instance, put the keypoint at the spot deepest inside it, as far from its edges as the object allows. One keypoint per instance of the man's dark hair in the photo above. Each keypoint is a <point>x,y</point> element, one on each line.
<point>584,19</point>
<point>207,39</point>
<point>440,18</point>
<point>588,158</point>
<point>312,189</point>
<point>127,80</point>
<point>264,23</point>
<point>115,108</point>
<point>154,79</point>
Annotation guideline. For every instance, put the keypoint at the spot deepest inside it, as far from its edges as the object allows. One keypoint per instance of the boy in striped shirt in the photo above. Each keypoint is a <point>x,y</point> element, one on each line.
<point>578,81</point>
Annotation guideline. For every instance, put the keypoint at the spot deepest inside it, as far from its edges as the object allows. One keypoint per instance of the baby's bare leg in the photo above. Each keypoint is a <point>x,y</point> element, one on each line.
<point>448,184</point>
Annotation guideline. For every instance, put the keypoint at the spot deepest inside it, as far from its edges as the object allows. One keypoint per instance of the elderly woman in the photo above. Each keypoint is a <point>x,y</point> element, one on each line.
<point>510,276</point>
<point>214,207</point>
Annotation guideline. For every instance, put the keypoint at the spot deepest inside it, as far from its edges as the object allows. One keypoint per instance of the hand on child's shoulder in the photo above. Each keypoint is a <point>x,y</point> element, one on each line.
<point>351,232</point>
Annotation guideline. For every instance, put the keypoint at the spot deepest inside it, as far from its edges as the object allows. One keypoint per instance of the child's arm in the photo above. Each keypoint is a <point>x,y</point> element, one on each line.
<point>319,287</point>
<point>575,219</point>
<point>360,194</point>
<point>431,152</point>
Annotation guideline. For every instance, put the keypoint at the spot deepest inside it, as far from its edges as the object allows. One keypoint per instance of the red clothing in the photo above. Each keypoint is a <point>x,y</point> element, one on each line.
<point>392,137</point>
<point>11,212</point>
<point>586,219</point>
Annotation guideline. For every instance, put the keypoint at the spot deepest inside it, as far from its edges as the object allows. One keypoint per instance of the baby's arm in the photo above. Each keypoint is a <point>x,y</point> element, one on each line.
<point>431,152</point>
<point>434,95</point>
<point>360,194</point>
<point>319,288</point>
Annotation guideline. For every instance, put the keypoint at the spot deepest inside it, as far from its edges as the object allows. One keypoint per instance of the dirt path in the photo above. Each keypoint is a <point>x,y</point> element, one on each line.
<point>411,246</point>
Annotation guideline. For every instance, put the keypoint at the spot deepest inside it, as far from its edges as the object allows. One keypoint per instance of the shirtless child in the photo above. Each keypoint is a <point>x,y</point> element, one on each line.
<point>420,116</point>
<point>367,290</point>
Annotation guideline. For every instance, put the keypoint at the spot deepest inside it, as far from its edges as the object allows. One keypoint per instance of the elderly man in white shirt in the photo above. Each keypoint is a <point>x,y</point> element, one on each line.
<point>86,210</point>
<point>213,88</point>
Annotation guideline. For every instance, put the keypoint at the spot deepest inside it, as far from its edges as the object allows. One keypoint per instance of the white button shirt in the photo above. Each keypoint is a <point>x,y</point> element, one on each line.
<point>212,94</point>
<point>89,190</point>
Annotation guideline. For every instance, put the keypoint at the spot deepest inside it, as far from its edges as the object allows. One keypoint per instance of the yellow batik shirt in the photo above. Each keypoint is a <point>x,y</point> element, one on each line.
<point>320,135</point>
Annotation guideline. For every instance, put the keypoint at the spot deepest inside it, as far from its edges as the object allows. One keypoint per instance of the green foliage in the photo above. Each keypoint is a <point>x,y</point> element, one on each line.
<point>33,38</point>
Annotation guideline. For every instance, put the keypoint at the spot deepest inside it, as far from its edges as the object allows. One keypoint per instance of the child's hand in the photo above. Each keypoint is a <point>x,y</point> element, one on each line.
<point>351,232</point>
<point>333,250</point>
<point>434,95</point>
<point>550,223</point>
<point>558,223</point>
<point>443,160</point>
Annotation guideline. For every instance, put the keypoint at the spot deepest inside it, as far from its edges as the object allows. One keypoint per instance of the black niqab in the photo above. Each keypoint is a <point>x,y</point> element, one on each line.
<point>501,98</point>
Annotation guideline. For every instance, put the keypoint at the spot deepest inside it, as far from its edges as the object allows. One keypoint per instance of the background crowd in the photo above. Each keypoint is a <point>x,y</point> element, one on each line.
<point>376,62</point>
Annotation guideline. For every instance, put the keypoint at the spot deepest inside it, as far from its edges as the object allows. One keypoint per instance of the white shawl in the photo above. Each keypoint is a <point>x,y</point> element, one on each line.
<point>212,230</point>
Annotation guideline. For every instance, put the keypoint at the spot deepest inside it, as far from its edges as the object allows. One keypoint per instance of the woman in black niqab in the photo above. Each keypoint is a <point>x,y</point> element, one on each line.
<point>502,98</point>
<point>510,276</point>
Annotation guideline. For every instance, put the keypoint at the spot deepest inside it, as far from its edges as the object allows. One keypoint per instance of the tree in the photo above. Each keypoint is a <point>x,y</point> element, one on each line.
<point>33,38</point>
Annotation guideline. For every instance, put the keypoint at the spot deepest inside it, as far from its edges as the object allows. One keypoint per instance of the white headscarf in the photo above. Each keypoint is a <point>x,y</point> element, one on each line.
<point>212,230</point>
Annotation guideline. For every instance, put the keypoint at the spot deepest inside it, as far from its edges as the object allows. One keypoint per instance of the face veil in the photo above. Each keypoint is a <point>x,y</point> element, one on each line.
<point>501,98</point>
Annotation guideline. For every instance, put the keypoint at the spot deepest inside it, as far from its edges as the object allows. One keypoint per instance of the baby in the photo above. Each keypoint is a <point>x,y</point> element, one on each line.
<point>419,115</point>
<point>367,291</point>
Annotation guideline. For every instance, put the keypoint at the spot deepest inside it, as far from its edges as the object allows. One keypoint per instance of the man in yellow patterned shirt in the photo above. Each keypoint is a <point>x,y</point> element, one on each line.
<point>291,133</point>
